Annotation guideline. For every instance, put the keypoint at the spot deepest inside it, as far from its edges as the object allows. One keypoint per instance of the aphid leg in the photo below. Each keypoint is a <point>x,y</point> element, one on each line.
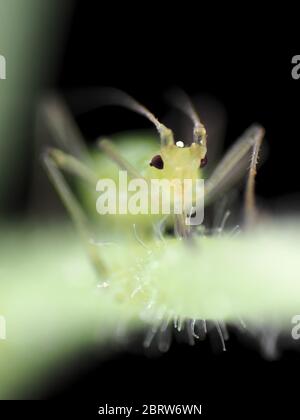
<point>112,152</point>
<point>250,209</point>
<point>55,116</point>
<point>65,132</point>
<point>73,166</point>
<point>74,209</point>
<point>233,167</point>
<point>182,230</point>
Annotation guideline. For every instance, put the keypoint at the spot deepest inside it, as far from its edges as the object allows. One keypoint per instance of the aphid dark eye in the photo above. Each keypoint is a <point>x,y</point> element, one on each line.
<point>157,162</point>
<point>203,162</point>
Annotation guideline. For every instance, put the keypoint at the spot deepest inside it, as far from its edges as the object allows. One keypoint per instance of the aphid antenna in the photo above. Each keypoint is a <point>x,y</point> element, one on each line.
<point>180,100</point>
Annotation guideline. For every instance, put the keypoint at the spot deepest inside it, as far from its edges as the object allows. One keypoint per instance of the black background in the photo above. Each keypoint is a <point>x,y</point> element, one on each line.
<point>246,64</point>
<point>145,50</point>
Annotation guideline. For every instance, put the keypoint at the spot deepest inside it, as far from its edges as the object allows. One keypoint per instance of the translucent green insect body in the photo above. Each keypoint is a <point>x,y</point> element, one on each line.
<point>139,149</point>
<point>136,148</point>
<point>137,256</point>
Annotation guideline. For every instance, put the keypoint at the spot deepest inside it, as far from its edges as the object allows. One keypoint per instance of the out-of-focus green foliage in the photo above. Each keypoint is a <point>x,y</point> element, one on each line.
<point>29,31</point>
<point>53,307</point>
<point>50,302</point>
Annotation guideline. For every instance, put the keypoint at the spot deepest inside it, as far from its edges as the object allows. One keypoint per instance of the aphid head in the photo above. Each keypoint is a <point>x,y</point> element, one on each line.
<point>179,164</point>
<point>181,161</point>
